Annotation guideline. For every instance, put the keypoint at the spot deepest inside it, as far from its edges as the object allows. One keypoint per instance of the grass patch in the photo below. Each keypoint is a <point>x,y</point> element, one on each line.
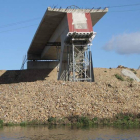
<point>126,119</point>
<point>130,80</point>
<point>23,123</point>
<point>84,121</point>
<point>95,120</point>
<point>119,77</point>
<point>121,119</point>
<point>34,122</point>
<point>52,120</point>
<point>1,123</point>
<point>11,124</point>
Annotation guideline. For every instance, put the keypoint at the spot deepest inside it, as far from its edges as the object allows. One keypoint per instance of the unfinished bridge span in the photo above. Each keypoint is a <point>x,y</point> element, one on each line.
<point>63,40</point>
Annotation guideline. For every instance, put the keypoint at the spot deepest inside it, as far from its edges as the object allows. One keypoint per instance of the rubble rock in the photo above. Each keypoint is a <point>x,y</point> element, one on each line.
<point>130,74</point>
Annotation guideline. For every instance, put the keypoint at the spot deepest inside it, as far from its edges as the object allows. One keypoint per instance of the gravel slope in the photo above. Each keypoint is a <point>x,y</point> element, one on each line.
<point>27,98</point>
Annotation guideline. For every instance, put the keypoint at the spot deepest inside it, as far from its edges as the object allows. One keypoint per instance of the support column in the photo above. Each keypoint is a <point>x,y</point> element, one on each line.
<point>63,57</point>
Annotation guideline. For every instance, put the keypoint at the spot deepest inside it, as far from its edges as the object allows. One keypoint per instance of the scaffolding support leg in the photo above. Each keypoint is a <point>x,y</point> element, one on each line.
<point>92,70</point>
<point>73,63</point>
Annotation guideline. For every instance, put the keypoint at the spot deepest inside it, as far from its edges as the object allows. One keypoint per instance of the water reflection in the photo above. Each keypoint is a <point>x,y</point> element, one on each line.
<point>68,133</point>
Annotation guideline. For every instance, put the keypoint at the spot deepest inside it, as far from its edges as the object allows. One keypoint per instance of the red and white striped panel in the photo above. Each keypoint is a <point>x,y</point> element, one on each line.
<point>79,22</point>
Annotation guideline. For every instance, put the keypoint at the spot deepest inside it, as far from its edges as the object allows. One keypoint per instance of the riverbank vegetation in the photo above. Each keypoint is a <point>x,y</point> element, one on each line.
<point>121,119</point>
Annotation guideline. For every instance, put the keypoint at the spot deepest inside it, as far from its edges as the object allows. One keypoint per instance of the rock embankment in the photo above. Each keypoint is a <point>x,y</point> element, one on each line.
<point>39,100</point>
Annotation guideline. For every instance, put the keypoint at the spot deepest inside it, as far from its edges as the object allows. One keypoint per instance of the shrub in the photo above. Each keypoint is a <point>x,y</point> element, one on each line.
<point>132,69</point>
<point>119,77</point>
<point>135,72</point>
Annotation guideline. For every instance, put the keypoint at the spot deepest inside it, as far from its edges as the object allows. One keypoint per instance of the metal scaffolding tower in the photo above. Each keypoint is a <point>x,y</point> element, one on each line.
<point>79,59</point>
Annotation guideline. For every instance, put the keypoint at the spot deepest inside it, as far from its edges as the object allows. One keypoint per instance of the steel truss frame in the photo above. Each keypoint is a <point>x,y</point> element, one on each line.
<point>79,63</point>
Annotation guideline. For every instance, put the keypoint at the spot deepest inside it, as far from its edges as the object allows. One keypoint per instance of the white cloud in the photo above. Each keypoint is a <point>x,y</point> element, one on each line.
<point>124,43</point>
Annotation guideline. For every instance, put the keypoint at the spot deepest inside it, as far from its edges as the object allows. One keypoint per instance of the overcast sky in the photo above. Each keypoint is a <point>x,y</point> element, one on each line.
<point>118,33</point>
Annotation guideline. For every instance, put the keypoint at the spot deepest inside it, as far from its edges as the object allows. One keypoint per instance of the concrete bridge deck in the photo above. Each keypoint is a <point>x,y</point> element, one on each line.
<point>53,24</point>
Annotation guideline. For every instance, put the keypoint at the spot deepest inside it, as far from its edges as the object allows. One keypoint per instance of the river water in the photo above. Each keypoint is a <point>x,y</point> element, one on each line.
<point>68,133</point>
